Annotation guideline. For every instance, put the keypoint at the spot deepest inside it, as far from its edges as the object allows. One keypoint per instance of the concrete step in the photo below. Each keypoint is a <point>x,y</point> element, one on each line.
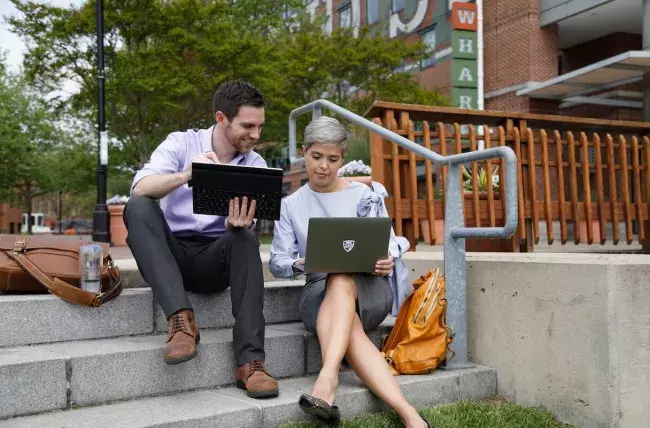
<point>83,373</point>
<point>230,407</point>
<point>44,318</point>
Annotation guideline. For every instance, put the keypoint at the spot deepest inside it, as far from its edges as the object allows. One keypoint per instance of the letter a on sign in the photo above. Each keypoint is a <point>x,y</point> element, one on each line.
<point>464,16</point>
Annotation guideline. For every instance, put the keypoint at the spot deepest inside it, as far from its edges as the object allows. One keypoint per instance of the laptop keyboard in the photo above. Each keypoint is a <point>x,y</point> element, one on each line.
<point>216,202</point>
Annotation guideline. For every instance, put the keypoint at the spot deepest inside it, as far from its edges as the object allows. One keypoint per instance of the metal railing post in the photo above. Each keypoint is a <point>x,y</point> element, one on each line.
<point>455,267</point>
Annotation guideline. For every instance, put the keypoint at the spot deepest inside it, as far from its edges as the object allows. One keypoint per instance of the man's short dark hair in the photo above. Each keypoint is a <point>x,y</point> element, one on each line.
<point>230,96</point>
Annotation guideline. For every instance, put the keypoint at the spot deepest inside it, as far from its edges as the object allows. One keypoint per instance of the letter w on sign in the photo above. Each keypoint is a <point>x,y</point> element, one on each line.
<point>464,16</point>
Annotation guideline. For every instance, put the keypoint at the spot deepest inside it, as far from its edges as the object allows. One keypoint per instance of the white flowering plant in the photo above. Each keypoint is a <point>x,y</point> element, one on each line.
<point>117,200</point>
<point>355,168</point>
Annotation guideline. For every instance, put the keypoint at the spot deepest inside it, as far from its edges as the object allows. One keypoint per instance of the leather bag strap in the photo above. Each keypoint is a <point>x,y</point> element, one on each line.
<point>66,291</point>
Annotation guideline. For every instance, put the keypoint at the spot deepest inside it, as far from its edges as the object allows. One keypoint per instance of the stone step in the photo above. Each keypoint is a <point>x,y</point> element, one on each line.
<point>82,373</point>
<point>44,318</point>
<point>230,407</point>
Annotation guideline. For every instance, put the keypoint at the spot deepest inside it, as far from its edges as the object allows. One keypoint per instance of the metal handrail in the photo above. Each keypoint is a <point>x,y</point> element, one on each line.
<point>455,231</point>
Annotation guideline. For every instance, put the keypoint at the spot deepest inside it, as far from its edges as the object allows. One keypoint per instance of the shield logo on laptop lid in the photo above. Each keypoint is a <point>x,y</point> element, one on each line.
<point>348,245</point>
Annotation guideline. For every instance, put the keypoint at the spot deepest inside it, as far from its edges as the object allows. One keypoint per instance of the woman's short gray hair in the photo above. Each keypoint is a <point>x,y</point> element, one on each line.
<point>326,130</point>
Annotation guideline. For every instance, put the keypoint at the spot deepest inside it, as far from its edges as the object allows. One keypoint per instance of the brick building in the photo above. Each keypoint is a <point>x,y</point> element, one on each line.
<point>44,213</point>
<point>519,55</point>
<point>10,217</point>
<point>568,57</point>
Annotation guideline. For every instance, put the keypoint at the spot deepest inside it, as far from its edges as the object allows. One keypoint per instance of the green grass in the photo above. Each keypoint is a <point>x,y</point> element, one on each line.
<point>491,414</point>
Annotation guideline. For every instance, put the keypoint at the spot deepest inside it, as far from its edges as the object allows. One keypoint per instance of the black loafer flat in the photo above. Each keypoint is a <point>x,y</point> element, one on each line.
<point>319,408</point>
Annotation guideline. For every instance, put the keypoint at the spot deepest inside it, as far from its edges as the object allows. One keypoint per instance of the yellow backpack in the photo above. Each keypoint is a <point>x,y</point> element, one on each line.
<point>420,339</point>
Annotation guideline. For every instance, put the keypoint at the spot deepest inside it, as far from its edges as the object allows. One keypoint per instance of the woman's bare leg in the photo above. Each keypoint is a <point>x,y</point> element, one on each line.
<point>370,366</point>
<point>334,323</point>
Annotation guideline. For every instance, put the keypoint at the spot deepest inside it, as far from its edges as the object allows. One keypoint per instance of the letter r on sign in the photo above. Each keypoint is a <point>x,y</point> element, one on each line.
<point>465,101</point>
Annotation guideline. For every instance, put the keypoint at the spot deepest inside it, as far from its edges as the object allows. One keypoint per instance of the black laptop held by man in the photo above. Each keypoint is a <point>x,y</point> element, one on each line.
<point>215,185</point>
<point>344,244</point>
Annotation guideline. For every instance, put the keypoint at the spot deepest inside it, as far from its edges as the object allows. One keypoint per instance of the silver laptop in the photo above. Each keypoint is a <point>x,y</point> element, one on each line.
<point>350,245</point>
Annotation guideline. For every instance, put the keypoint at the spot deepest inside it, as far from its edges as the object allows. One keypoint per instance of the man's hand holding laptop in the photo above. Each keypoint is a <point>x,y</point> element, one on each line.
<point>239,215</point>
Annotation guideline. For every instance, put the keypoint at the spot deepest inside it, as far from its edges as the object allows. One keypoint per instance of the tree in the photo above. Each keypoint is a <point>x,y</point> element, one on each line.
<point>165,58</point>
<point>36,156</point>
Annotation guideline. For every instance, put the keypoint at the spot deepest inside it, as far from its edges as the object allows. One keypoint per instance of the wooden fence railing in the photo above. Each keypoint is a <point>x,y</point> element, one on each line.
<point>584,179</point>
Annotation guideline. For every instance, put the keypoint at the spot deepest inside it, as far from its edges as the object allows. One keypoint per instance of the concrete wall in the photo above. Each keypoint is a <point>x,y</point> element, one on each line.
<point>569,332</point>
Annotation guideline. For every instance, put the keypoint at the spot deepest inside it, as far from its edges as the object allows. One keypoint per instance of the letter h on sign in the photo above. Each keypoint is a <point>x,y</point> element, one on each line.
<point>464,16</point>
<point>463,44</point>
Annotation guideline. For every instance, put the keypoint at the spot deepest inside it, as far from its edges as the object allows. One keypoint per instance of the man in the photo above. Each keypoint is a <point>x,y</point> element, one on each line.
<point>177,250</point>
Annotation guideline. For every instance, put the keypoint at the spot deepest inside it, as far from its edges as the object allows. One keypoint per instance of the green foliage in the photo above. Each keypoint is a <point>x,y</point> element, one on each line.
<point>482,178</point>
<point>358,145</point>
<point>164,59</point>
<point>458,415</point>
<point>36,155</point>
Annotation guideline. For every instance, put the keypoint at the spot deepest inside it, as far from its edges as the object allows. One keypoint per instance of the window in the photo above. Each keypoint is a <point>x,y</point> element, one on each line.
<point>372,11</point>
<point>345,16</point>
<point>398,5</point>
<point>429,39</point>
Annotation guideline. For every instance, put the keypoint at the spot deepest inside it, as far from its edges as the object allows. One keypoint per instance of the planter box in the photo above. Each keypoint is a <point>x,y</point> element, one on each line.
<point>440,231</point>
<point>117,227</point>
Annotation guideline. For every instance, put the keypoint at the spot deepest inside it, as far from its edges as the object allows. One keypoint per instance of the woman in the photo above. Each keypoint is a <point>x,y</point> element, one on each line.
<point>338,308</point>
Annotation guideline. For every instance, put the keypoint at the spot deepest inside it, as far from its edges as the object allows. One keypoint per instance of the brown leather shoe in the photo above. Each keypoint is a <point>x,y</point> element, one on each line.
<point>183,337</point>
<point>254,378</point>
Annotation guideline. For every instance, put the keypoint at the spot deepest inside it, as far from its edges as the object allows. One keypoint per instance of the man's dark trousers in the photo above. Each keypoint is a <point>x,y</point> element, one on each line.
<point>171,265</point>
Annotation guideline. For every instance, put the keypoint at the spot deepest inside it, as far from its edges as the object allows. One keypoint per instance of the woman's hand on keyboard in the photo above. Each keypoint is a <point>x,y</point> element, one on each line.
<point>240,215</point>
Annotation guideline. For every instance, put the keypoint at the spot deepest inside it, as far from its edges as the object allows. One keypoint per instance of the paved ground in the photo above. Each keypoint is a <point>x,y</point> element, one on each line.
<point>542,247</point>
<point>125,253</point>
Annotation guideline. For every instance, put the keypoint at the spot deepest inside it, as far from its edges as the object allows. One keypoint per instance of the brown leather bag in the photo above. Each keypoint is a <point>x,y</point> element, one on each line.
<point>49,263</point>
<point>420,339</point>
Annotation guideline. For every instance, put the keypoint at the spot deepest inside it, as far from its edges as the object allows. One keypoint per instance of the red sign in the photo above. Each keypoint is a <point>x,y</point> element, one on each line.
<point>464,16</point>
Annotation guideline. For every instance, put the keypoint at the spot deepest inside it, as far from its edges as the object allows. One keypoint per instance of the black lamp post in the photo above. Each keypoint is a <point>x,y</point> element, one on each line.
<point>100,216</point>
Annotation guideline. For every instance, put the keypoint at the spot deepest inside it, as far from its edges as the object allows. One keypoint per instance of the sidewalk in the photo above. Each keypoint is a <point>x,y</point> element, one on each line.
<point>609,248</point>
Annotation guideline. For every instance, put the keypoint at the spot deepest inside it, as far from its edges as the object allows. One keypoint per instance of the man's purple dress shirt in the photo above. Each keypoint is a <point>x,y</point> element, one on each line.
<point>175,154</point>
